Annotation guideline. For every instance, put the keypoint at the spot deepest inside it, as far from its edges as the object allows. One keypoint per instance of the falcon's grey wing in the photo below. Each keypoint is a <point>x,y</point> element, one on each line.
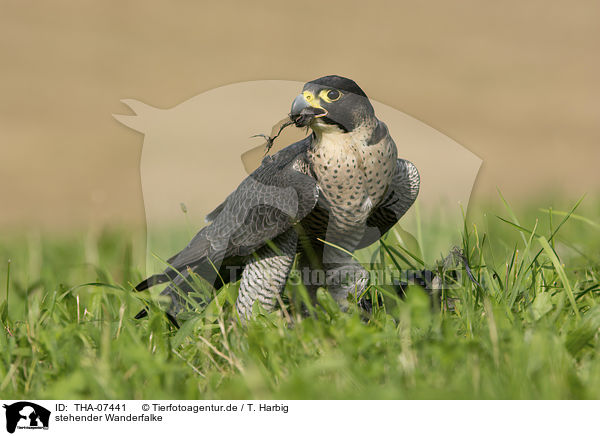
<point>272,199</point>
<point>402,194</point>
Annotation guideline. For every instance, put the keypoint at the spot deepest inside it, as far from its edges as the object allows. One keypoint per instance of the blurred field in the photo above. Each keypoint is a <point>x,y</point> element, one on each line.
<point>514,82</point>
<point>530,331</point>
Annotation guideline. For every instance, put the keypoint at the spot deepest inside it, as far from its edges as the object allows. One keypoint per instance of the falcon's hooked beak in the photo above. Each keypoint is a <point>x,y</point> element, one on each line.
<point>305,108</point>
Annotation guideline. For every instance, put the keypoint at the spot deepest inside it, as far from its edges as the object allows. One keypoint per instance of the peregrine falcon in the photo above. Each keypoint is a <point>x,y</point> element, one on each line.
<point>338,190</point>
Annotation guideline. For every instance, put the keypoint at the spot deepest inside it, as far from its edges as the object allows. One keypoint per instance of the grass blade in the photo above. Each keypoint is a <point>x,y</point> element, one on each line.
<point>560,271</point>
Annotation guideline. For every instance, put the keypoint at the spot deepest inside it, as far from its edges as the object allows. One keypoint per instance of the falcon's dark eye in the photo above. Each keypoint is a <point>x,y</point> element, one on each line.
<point>329,95</point>
<point>333,94</point>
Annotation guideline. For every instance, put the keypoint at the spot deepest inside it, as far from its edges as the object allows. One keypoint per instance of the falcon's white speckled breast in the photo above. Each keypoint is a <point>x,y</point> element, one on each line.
<point>352,174</point>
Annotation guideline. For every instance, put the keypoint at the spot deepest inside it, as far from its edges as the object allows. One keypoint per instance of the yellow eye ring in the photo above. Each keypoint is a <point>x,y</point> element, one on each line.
<point>330,95</point>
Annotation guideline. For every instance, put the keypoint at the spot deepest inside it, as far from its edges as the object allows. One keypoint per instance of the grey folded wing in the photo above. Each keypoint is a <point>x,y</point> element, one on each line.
<point>267,203</point>
<point>401,195</point>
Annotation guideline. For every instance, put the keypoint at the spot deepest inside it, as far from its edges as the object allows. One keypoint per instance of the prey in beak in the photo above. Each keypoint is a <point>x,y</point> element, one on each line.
<point>305,108</point>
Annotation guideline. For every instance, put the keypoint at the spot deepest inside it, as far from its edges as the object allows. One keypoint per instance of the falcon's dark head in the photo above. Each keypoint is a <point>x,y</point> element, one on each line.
<point>330,102</point>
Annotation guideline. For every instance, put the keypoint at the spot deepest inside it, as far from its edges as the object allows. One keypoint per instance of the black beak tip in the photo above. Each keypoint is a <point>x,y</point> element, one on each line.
<point>305,117</point>
<point>303,113</point>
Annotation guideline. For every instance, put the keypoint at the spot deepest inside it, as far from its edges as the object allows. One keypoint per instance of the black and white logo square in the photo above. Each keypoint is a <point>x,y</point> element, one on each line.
<point>25,415</point>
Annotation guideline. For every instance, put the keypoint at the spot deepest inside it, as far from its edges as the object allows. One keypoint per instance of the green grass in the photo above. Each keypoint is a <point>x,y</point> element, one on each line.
<point>530,331</point>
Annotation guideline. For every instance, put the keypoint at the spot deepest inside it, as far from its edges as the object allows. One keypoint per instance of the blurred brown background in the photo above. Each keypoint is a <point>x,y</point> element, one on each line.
<point>515,82</point>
